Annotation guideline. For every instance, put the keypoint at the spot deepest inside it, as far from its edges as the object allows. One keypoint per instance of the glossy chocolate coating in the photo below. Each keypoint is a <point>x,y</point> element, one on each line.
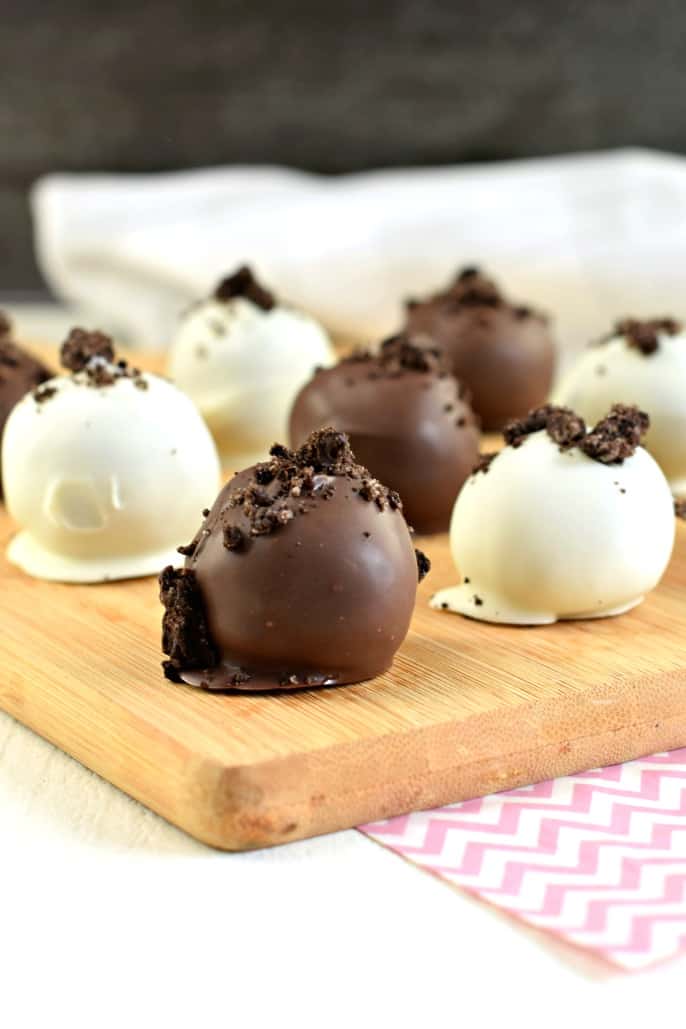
<point>324,597</point>
<point>407,420</point>
<point>19,373</point>
<point>504,353</point>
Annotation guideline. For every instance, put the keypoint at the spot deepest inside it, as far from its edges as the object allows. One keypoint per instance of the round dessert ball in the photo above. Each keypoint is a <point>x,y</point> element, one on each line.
<point>104,469</point>
<point>408,421</point>
<point>19,373</point>
<point>562,523</point>
<point>302,574</point>
<point>502,352</point>
<point>242,357</point>
<point>643,363</point>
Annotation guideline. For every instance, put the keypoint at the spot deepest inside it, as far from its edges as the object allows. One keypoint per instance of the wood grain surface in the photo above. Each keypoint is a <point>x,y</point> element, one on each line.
<point>467,708</point>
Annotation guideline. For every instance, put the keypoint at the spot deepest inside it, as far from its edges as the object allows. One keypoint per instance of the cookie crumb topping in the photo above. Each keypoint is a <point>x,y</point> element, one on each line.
<point>244,284</point>
<point>90,356</point>
<point>611,441</point>
<point>185,637</point>
<point>644,335</point>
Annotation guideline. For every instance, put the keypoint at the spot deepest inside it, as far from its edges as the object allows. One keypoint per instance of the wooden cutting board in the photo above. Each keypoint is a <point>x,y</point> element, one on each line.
<point>467,709</point>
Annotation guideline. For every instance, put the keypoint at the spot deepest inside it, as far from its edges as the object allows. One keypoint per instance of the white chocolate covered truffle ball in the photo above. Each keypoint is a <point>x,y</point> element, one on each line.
<point>641,363</point>
<point>243,357</point>
<point>561,523</point>
<point>105,470</point>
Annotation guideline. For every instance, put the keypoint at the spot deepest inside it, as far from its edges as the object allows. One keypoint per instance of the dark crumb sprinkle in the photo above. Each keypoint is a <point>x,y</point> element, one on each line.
<point>618,435</point>
<point>466,579</point>
<point>477,600</point>
<point>563,426</point>
<point>484,462</point>
<point>81,347</point>
<point>641,334</point>
<point>644,335</point>
<point>461,422</point>
<point>622,490</point>
<point>205,512</point>
<point>43,393</point>
<point>680,507</point>
<point>239,677</point>
<point>292,482</point>
<point>244,284</point>
<point>233,537</point>
<point>423,564</point>
<point>399,354</point>
<point>366,535</point>
<point>471,288</point>
<point>448,408</point>
<point>91,355</point>
<point>185,637</point>
<point>613,439</point>
<point>444,606</point>
<point>189,549</point>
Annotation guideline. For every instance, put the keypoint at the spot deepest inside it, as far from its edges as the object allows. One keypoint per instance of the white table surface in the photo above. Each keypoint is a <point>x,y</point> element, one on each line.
<point>110,916</point>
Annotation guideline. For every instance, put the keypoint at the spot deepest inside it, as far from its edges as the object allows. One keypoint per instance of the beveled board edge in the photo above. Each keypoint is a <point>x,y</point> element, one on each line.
<point>239,807</point>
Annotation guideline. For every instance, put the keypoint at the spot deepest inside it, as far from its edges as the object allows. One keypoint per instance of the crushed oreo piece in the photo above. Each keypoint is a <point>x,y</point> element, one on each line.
<point>189,549</point>
<point>185,637</point>
<point>423,564</point>
<point>90,356</point>
<point>244,284</point>
<point>410,353</point>
<point>398,354</point>
<point>616,436</point>
<point>644,335</point>
<point>472,288</point>
<point>81,347</point>
<point>484,462</point>
<point>43,393</point>
<point>563,426</point>
<point>240,677</point>
<point>292,481</point>
<point>233,537</point>
<point>613,439</point>
<point>470,272</point>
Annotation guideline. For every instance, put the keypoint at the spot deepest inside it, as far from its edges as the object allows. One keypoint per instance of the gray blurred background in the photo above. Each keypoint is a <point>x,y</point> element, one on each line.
<point>172,84</point>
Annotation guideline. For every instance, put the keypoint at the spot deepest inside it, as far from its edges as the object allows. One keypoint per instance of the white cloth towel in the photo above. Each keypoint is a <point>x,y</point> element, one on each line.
<point>587,237</point>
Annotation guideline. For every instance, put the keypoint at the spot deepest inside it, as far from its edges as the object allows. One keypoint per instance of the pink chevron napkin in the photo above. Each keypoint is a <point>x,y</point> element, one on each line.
<point>598,858</point>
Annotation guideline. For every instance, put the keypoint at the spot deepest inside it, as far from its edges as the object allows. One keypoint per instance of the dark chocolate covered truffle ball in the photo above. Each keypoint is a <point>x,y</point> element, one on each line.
<point>408,420</point>
<point>503,352</point>
<point>302,574</point>
<point>19,374</point>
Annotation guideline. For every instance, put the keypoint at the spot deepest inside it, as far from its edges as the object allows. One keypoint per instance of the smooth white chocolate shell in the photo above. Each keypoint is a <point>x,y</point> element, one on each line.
<point>616,372</point>
<point>546,535</point>
<point>243,367</point>
<point>105,482</point>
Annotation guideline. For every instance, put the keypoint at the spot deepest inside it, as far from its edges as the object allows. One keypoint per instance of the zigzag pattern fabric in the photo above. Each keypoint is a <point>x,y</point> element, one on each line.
<point>597,858</point>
